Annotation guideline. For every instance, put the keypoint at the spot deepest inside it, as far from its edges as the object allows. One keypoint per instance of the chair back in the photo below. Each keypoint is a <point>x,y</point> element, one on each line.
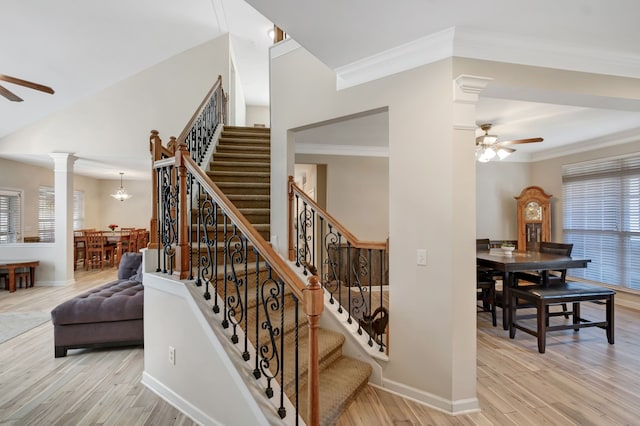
<point>94,240</point>
<point>563,249</point>
<point>483,244</point>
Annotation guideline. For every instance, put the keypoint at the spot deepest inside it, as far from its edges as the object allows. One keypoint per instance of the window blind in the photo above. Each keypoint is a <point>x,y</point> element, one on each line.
<point>10,216</point>
<point>601,217</point>
<point>46,214</point>
<point>78,209</point>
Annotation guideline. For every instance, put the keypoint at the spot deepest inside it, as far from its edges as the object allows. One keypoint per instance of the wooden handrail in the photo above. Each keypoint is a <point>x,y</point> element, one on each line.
<point>266,251</point>
<point>217,85</point>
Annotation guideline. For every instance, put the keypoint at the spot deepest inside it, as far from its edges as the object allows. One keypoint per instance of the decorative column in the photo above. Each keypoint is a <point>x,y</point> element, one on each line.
<point>63,187</point>
<point>466,90</point>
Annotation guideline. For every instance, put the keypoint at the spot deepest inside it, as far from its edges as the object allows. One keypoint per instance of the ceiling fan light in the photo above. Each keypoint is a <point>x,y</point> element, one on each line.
<point>486,140</point>
<point>504,152</point>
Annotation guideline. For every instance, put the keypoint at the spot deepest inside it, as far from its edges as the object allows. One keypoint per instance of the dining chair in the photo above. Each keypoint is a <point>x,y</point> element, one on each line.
<point>126,243</point>
<point>79,248</point>
<point>141,238</point>
<point>486,283</point>
<point>98,252</point>
<point>552,277</point>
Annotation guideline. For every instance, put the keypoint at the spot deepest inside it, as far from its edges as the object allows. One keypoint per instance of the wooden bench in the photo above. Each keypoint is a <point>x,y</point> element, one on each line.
<point>543,297</point>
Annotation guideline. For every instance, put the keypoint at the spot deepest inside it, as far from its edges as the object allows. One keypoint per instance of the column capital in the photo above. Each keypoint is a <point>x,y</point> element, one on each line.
<point>466,90</point>
<point>62,161</point>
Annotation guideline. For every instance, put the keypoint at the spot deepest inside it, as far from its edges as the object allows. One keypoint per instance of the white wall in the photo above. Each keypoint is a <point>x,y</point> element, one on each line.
<point>115,123</point>
<point>132,213</point>
<point>357,193</point>
<point>257,114</point>
<point>497,182</point>
<point>112,128</point>
<point>427,181</point>
<point>205,381</point>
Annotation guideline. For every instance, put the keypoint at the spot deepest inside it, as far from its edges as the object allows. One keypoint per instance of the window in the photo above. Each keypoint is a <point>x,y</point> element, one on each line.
<point>78,209</point>
<point>47,213</point>
<point>601,217</point>
<point>10,216</point>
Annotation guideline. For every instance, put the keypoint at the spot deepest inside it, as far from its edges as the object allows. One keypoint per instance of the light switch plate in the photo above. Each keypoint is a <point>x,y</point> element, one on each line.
<point>421,257</point>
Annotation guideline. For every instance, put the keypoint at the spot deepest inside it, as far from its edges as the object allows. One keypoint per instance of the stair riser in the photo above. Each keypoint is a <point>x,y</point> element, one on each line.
<point>252,204</point>
<point>242,158</point>
<point>242,190</point>
<point>238,136</point>
<point>239,167</point>
<point>220,177</point>
<point>243,148</point>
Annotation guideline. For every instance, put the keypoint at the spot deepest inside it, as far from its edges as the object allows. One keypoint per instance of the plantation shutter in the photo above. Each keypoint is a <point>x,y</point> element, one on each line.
<point>10,216</point>
<point>601,217</point>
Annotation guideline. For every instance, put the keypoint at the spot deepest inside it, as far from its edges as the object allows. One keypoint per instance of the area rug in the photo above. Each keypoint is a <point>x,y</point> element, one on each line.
<point>13,324</point>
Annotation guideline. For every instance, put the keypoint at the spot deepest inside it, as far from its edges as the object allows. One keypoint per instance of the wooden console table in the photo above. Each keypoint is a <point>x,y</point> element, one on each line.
<point>12,265</point>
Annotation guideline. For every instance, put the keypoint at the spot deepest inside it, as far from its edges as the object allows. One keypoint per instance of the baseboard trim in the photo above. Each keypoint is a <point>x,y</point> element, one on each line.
<point>463,406</point>
<point>176,401</point>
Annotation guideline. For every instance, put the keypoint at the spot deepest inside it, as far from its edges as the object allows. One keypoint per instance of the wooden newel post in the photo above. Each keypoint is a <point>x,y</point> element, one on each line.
<point>292,256</point>
<point>182,252</point>
<point>313,306</point>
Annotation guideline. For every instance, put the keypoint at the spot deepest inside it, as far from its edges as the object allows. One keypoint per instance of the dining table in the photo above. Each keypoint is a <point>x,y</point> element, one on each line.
<point>521,261</point>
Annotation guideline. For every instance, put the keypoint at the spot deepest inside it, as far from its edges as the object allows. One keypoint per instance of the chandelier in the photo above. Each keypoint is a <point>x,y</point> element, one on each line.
<point>121,194</point>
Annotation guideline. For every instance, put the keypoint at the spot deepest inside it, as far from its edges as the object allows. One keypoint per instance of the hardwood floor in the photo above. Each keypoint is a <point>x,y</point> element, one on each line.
<point>580,380</point>
<point>87,386</point>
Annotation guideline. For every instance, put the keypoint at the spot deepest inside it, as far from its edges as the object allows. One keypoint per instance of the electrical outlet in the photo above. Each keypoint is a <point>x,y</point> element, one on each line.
<point>172,355</point>
<point>421,257</point>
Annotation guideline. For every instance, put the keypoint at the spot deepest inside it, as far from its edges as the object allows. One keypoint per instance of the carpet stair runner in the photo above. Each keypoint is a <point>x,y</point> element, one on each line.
<point>241,168</point>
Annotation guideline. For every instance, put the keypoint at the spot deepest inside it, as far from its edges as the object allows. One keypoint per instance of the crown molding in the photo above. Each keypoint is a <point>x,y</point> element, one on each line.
<point>283,47</point>
<point>543,53</point>
<point>627,136</point>
<point>475,44</point>
<point>352,150</point>
<point>410,55</point>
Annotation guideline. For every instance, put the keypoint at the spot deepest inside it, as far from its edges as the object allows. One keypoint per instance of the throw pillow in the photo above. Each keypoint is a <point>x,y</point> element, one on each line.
<point>138,275</point>
<point>129,265</point>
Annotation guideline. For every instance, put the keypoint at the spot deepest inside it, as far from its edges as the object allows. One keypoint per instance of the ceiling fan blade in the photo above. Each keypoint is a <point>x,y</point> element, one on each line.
<point>26,83</point>
<point>516,141</point>
<point>10,95</point>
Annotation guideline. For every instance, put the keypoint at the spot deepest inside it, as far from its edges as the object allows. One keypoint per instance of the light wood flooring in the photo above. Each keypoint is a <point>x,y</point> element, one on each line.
<point>580,380</point>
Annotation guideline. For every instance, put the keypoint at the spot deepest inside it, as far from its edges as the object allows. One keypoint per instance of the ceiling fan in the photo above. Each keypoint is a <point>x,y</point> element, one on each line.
<point>488,147</point>
<point>15,98</point>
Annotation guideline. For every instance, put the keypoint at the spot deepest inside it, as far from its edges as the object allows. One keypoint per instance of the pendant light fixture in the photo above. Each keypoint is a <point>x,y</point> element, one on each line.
<point>121,194</point>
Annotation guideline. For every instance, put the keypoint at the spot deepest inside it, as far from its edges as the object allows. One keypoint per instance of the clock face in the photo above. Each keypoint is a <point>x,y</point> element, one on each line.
<point>533,211</point>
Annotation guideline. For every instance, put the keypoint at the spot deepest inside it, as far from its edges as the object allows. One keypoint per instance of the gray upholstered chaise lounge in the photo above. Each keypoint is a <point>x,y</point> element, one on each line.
<point>109,315</point>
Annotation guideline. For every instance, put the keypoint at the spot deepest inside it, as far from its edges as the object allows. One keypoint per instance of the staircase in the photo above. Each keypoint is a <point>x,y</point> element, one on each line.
<point>241,169</point>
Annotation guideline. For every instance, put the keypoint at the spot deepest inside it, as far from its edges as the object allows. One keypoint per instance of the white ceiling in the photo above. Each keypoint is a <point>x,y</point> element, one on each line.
<point>81,47</point>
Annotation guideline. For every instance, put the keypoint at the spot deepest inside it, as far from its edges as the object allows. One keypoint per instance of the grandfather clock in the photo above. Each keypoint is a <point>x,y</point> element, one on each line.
<point>534,218</point>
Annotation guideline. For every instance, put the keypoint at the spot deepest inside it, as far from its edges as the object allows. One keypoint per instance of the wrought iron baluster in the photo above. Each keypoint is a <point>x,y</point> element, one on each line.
<point>256,370</point>
<point>297,356</point>
<point>206,217</point>
<point>282,412</point>
<point>158,208</point>
<point>225,321</point>
<point>297,230</point>
<point>215,245</point>
<point>271,303</point>
<point>236,309</point>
